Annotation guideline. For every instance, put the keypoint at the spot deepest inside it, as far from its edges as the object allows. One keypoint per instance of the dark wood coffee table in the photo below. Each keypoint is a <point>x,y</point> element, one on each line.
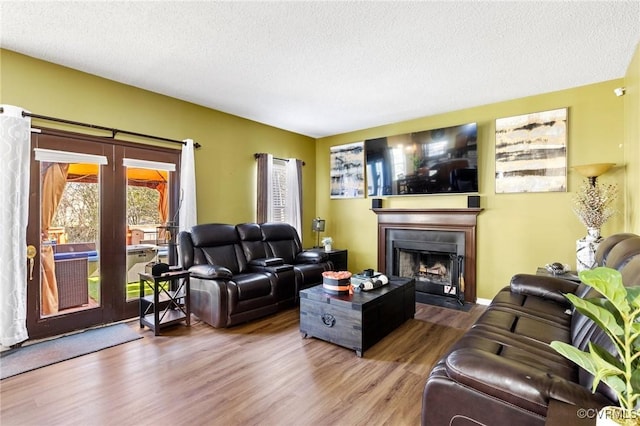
<point>360,320</point>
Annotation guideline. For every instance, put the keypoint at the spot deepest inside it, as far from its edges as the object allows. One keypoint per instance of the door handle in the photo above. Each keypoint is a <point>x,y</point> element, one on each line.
<point>31,254</point>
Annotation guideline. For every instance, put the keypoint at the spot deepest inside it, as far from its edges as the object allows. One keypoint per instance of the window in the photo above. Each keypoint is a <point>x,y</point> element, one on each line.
<point>279,191</point>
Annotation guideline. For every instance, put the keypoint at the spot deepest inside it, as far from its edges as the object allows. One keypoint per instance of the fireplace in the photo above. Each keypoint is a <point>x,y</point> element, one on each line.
<point>436,247</point>
<point>436,265</point>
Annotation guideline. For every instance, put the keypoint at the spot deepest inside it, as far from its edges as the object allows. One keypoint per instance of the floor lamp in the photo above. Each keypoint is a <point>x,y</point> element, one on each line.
<point>318,226</point>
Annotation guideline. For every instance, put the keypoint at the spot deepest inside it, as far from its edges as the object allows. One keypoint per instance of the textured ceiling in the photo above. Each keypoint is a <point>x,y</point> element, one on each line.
<point>323,68</point>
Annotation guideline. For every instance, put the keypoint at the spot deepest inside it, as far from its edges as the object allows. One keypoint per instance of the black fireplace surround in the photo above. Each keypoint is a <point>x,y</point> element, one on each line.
<point>434,258</point>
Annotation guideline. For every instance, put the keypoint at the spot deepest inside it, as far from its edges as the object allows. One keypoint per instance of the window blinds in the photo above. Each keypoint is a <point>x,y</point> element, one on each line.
<point>279,191</point>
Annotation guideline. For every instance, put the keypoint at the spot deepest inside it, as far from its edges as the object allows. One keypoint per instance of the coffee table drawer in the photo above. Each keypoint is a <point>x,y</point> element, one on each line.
<point>331,323</point>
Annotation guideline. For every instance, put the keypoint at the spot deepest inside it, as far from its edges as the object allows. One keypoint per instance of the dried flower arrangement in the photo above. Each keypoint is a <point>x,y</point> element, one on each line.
<point>592,203</point>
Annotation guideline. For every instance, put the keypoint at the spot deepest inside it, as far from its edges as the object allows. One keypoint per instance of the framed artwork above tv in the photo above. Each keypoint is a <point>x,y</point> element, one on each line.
<point>437,161</point>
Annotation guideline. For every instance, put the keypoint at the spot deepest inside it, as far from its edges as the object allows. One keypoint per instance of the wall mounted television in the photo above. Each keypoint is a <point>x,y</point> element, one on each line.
<point>438,161</point>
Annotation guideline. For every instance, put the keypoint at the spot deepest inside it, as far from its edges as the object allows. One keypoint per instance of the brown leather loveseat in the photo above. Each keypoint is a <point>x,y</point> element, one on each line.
<point>242,272</point>
<point>503,371</point>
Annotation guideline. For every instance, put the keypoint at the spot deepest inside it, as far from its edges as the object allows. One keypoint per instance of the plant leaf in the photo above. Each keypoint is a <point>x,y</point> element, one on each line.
<point>615,383</point>
<point>605,356</point>
<point>606,304</point>
<point>583,359</point>
<point>608,282</point>
<point>635,331</point>
<point>608,373</point>
<point>602,317</point>
<point>635,381</point>
<point>633,296</point>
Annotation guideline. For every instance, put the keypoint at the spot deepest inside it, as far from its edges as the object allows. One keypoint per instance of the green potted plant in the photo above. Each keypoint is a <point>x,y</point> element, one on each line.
<point>617,313</point>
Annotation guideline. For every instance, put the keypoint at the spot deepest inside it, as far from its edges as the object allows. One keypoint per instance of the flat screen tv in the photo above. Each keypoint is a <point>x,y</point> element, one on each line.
<point>438,161</point>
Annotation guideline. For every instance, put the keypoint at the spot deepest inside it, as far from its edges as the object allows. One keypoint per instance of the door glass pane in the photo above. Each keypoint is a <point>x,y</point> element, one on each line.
<point>147,211</point>
<point>70,225</point>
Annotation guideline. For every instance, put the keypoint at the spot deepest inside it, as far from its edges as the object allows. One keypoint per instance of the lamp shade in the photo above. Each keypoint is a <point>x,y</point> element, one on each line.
<point>593,170</point>
<point>318,225</point>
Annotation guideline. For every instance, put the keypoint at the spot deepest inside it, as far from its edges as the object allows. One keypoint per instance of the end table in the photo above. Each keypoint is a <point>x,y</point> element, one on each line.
<point>169,302</point>
<point>337,256</point>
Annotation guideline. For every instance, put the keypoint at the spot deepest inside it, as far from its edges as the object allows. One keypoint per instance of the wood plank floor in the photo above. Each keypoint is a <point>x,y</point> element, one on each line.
<point>261,373</point>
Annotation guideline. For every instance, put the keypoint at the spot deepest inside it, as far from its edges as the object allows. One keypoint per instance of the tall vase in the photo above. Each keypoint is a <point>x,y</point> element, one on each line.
<point>586,249</point>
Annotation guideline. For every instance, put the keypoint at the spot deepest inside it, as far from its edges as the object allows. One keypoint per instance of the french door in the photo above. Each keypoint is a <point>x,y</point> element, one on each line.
<point>95,209</point>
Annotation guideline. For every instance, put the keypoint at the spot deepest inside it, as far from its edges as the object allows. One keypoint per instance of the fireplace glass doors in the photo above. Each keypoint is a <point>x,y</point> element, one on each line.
<point>436,267</point>
<point>434,258</point>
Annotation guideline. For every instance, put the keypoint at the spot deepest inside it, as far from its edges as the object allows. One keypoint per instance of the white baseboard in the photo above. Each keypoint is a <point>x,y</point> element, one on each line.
<point>485,302</point>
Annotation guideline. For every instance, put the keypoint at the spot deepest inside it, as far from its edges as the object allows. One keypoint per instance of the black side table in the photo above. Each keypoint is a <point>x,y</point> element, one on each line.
<point>569,275</point>
<point>337,256</point>
<point>169,303</point>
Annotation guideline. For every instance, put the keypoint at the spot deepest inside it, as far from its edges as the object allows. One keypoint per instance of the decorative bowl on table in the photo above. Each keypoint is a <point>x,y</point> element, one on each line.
<point>336,282</point>
<point>557,268</point>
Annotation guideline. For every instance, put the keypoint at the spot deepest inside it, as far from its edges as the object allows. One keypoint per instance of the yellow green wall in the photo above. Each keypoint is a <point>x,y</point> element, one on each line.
<point>632,143</point>
<point>516,232</point>
<point>225,166</point>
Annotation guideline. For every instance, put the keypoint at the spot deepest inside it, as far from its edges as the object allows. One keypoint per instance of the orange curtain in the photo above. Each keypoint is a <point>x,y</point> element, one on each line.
<point>163,209</point>
<point>54,180</point>
<point>163,202</point>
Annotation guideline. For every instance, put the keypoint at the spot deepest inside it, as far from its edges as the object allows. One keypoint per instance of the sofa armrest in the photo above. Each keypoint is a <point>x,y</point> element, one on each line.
<point>274,265</point>
<point>515,382</point>
<point>309,256</point>
<point>550,288</point>
<point>211,272</point>
<point>267,261</point>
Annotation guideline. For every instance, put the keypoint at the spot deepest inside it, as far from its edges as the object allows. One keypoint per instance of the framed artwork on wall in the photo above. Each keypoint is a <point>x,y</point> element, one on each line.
<point>347,170</point>
<point>531,152</point>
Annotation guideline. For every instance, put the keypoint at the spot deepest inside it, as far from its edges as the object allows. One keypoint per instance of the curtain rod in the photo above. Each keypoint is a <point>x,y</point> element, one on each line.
<point>257,154</point>
<point>113,131</point>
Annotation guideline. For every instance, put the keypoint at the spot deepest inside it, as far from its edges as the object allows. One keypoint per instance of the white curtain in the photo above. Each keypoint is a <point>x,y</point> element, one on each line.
<point>188,213</point>
<point>15,151</point>
<point>293,202</point>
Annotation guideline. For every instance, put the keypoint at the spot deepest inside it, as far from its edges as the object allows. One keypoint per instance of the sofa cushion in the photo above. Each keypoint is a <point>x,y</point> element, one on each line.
<point>217,244</point>
<point>523,324</point>
<point>214,234</point>
<point>535,354</point>
<point>537,306</point>
<point>226,256</point>
<point>251,241</point>
<point>281,240</point>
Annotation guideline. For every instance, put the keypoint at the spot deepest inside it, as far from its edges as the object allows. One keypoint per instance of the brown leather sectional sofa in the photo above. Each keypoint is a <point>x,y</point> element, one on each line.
<point>243,272</point>
<point>503,371</point>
